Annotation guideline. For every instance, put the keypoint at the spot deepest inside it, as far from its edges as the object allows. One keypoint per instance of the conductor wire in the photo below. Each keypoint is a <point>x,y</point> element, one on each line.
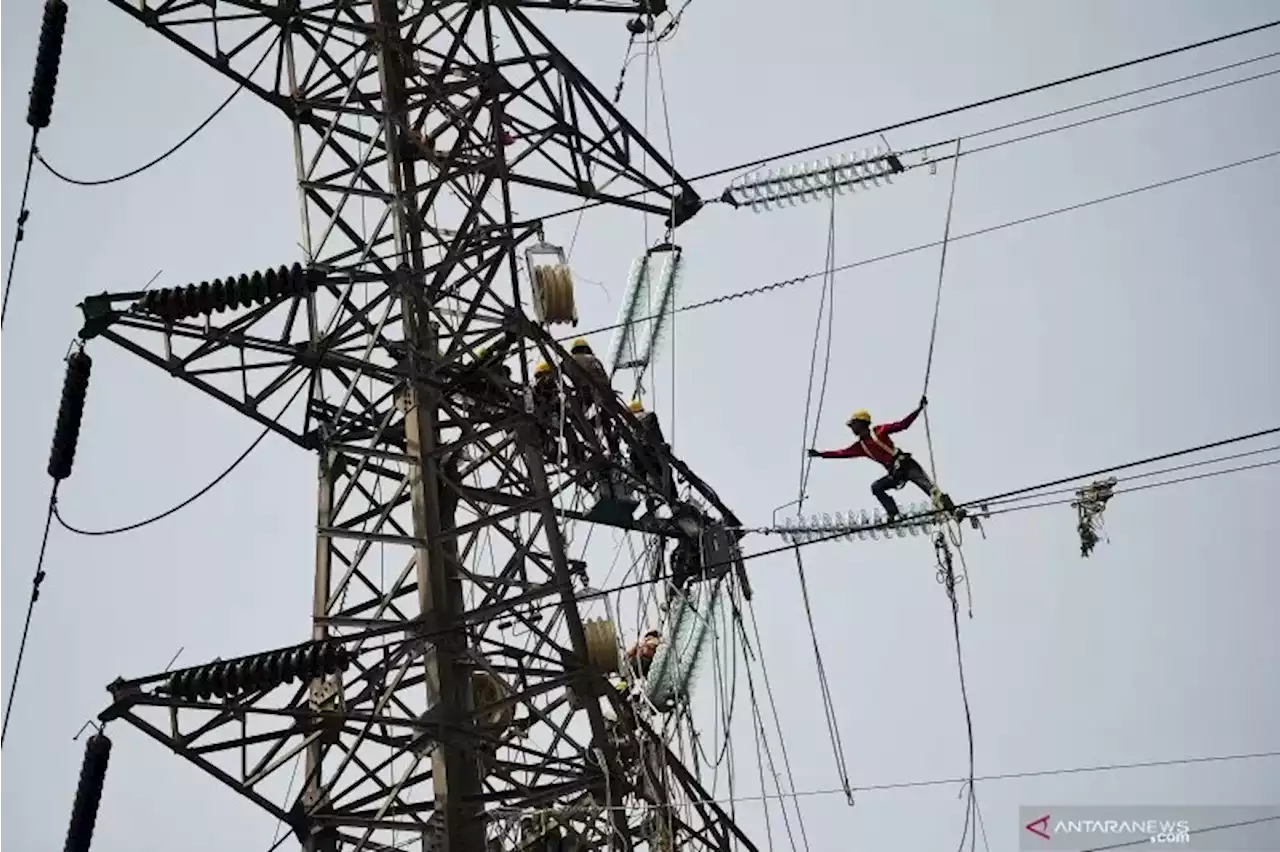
<point>31,605</point>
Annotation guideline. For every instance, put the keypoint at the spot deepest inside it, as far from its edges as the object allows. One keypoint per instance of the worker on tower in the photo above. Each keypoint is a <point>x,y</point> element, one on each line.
<point>484,377</point>
<point>643,651</point>
<point>598,388</point>
<point>874,443</point>
<point>547,408</point>
<point>648,460</point>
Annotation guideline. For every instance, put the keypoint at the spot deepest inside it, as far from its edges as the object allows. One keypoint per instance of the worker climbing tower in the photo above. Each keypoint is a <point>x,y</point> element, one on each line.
<point>443,703</point>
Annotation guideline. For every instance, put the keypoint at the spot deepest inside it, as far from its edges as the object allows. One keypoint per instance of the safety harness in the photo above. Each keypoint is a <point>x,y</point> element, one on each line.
<point>897,456</point>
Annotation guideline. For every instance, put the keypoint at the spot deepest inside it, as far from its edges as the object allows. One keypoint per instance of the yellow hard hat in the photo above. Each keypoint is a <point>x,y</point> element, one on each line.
<point>636,406</point>
<point>861,415</point>
<point>580,345</point>
<point>542,369</point>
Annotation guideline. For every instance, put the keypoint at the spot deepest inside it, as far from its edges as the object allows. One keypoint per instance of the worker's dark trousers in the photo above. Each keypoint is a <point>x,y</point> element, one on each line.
<point>905,470</point>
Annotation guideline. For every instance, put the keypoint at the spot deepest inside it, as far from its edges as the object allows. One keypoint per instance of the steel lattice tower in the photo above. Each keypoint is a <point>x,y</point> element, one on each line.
<point>418,714</point>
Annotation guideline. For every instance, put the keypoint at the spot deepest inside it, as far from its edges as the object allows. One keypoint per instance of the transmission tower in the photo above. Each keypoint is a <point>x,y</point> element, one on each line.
<point>445,702</point>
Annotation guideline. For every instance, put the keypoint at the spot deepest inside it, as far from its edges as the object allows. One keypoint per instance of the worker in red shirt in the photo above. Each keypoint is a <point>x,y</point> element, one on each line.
<point>642,653</point>
<point>874,443</point>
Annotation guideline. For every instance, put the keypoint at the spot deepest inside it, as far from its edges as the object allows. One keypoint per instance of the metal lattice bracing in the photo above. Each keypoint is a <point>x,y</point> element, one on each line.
<point>419,132</point>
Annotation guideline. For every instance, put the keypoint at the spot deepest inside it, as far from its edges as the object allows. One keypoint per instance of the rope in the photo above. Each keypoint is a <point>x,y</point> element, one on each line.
<point>828,295</point>
<point>827,303</point>
<point>777,724</point>
<point>942,265</point>
<point>942,552</point>
<point>971,807</point>
<point>31,605</point>
<point>955,535</point>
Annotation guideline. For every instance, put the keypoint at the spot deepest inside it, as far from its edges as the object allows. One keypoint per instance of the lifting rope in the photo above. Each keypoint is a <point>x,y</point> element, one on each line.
<point>947,574</point>
<point>954,535</point>
<point>826,303</point>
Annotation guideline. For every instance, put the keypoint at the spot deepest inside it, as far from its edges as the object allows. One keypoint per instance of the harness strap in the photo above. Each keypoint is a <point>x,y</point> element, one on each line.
<point>894,452</point>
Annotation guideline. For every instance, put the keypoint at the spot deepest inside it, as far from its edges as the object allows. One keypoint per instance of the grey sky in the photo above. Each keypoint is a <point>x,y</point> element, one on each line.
<point>1096,337</point>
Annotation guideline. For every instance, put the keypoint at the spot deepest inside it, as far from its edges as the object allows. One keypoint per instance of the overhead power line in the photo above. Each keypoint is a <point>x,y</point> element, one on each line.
<point>535,607</point>
<point>1001,776</point>
<point>1208,828</point>
<point>991,229</point>
<point>934,116</point>
<point>1019,507</point>
<point>172,150</point>
<point>1029,489</point>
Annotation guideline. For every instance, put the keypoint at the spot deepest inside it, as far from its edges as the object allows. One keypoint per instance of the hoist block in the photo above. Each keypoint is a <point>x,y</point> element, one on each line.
<point>603,659</point>
<point>602,645</point>
<point>616,502</point>
<point>552,284</point>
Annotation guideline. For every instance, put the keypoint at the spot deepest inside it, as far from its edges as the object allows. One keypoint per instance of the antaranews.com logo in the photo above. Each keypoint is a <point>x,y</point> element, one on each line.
<point>1077,828</point>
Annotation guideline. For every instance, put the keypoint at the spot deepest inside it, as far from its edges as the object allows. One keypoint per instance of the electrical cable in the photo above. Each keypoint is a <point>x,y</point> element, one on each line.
<point>984,148</point>
<point>1140,90</point>
<point>23,213</point>
<point>885,525</point>
<point>782,741</point>
<point>1047,214</point>
<point>1030,489</point>
<point>1221,827</point>
<point>266,430</point>
<point>1045,115</point>
<point>1193,478</point>
<point>1218,460</point>
<point>1019,776</point>
<point>826,302</point>
<point>972,105</point>
<point>169,153</point>
<point>36,580</point>
<point>1048,131</point>
<point>971,804</point>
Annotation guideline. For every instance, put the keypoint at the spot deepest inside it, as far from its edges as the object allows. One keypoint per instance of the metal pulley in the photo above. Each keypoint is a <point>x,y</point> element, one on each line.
<point>552,283</point>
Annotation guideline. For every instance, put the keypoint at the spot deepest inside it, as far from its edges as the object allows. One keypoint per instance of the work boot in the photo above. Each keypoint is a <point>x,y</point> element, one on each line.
<point>944,502</point>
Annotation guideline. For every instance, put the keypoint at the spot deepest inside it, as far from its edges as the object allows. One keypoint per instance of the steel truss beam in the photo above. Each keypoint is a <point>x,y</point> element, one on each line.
<point>439,553</point>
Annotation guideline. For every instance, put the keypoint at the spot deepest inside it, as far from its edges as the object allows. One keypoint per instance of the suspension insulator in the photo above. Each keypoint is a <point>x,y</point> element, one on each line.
<point>48,55</point>
<point>228,678</point>
<point>84,811</point>
<point>242,291</point>
<point>66,434</point>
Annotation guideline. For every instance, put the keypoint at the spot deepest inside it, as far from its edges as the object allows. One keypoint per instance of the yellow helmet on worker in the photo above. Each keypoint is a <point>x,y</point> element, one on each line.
<point>859,416</point>
<point>580,345</point>
<point>635,406</point>
<point>542,368</point>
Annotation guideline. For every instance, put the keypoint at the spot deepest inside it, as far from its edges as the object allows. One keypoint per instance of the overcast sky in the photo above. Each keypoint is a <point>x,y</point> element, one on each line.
<point>1092,338</point>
